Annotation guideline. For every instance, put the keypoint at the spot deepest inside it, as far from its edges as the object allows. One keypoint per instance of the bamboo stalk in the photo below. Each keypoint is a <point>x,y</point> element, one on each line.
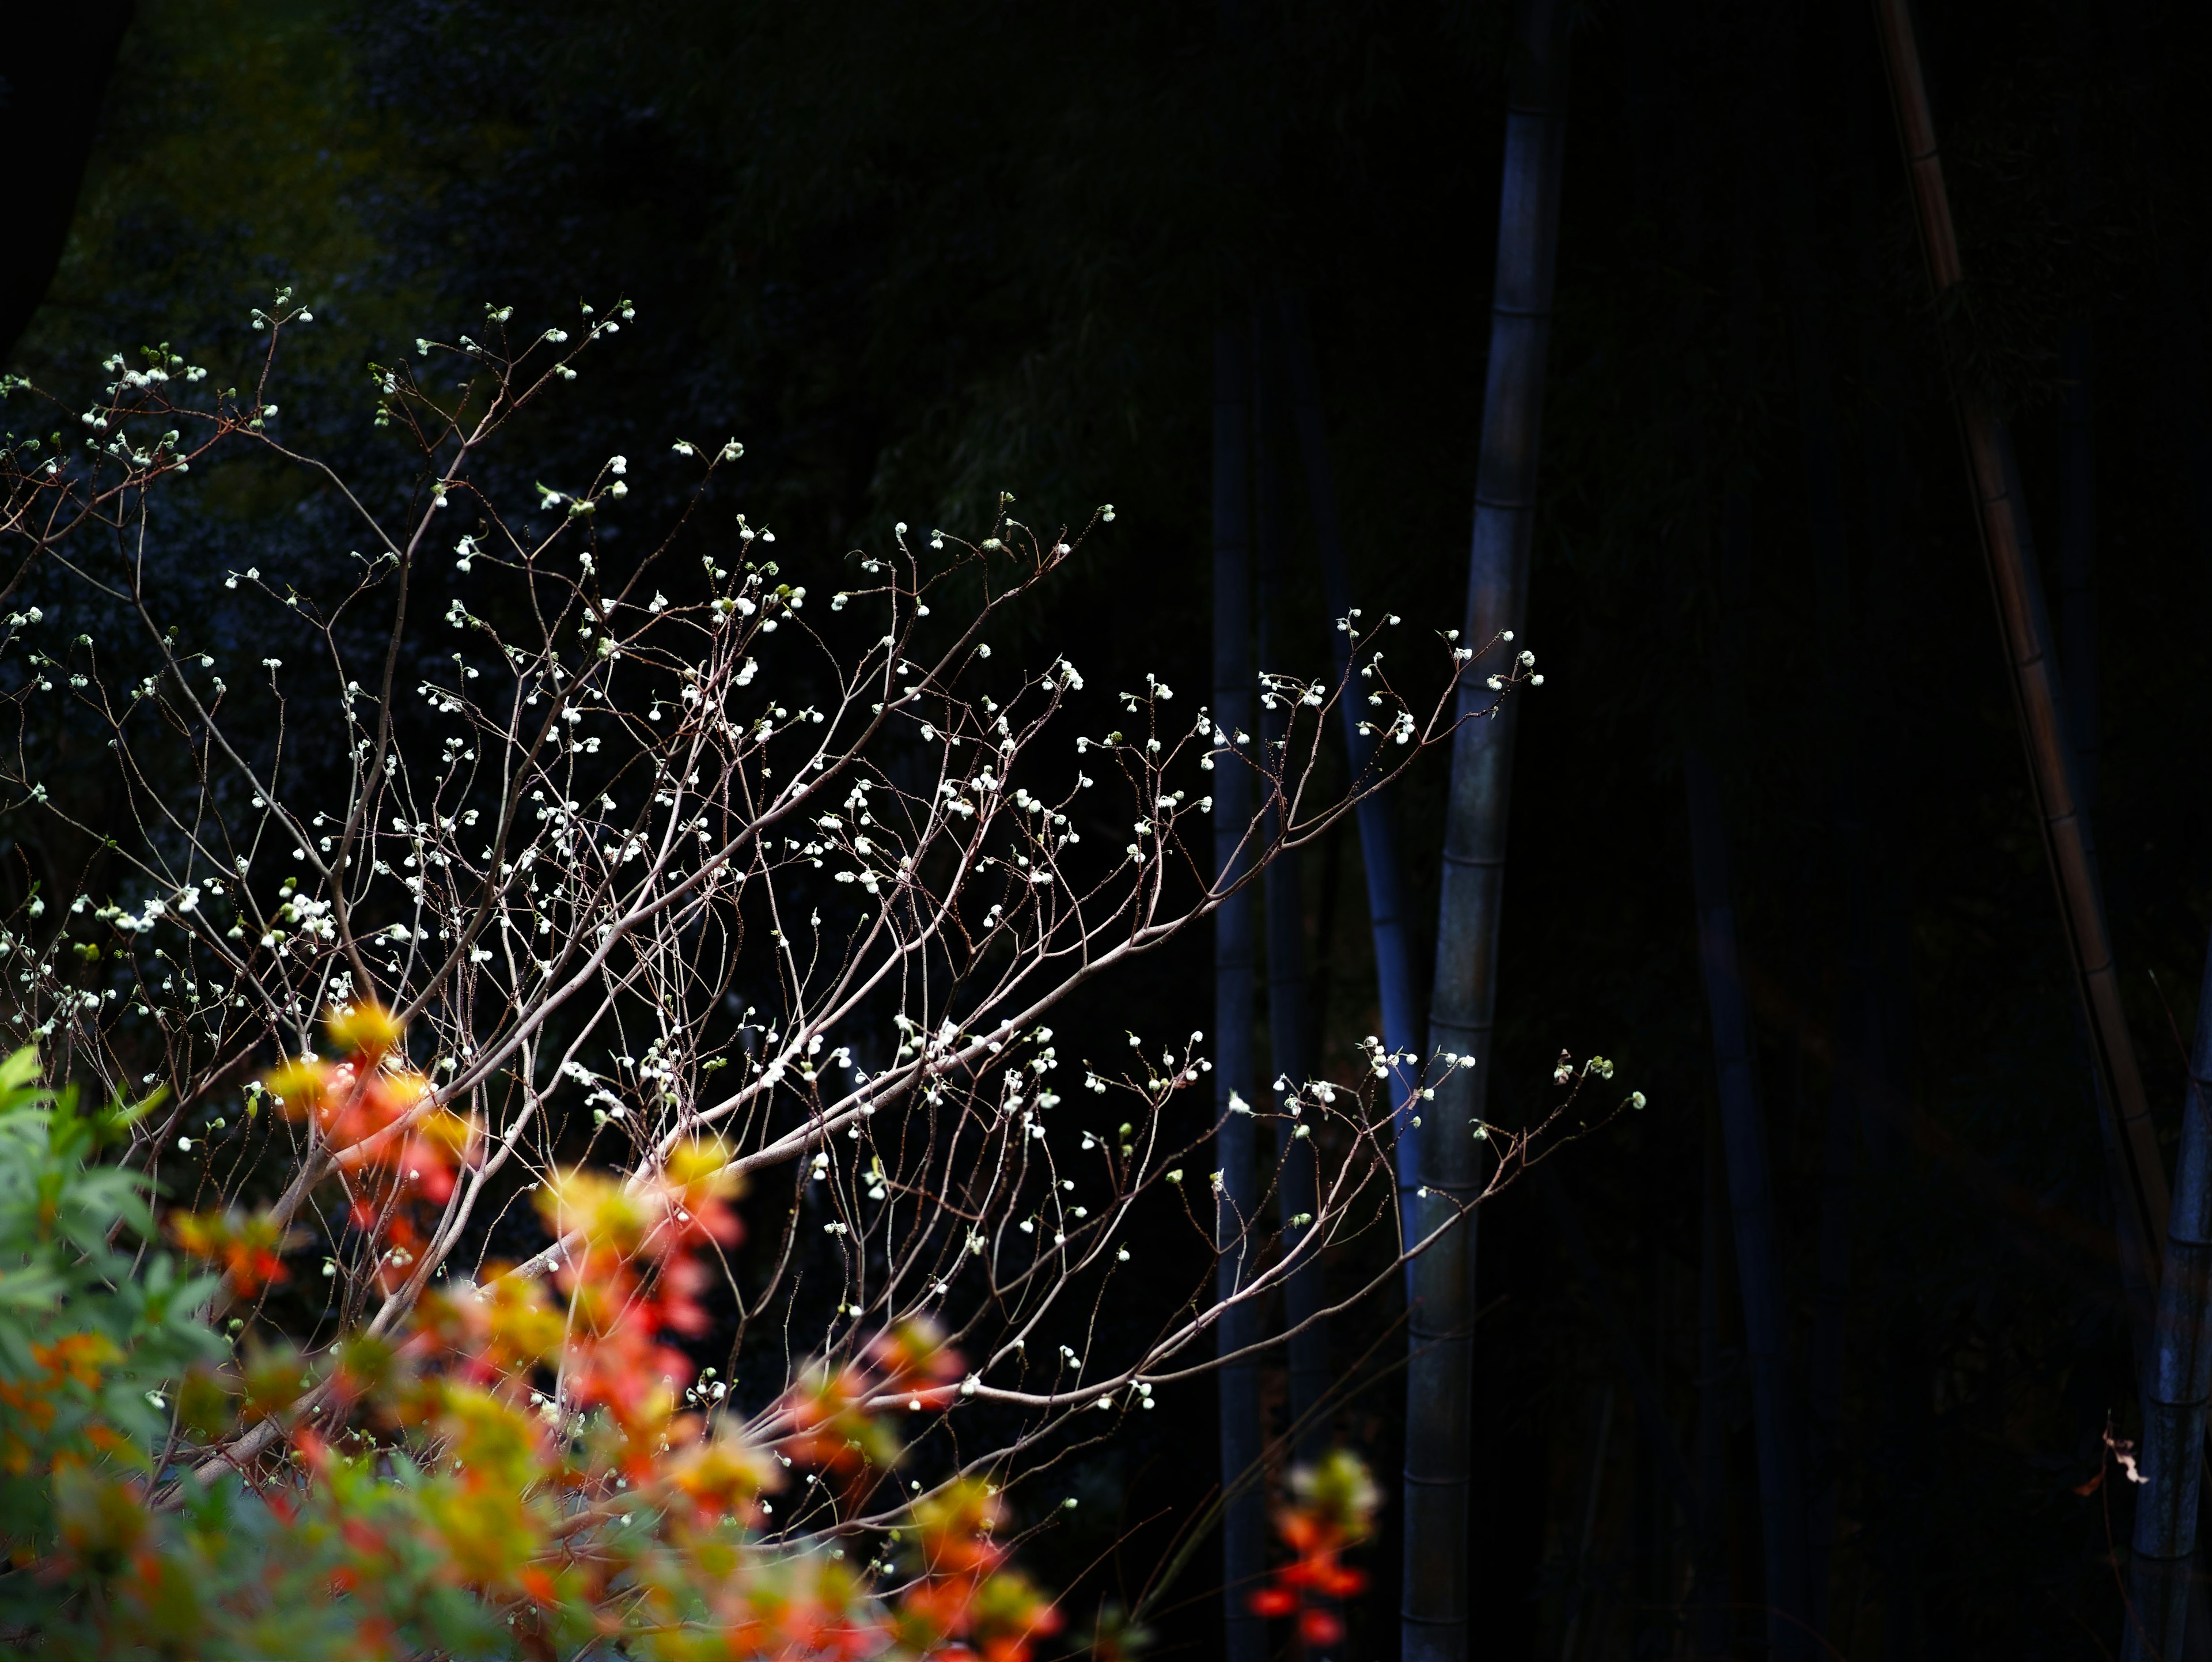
<point>1579,1584</point>
<point>1714,1621</point>
<point>1859,1061</point>
<point>1751,1202</point>
<point>1245,1544</point>
<point>2172,1464</point>
<point>2043,712</point>
<point>2077,477</point>
<point>1439,1406</point>
<point>1297,1193</point>
<point>2077,545</point>
<point>1378,831</point>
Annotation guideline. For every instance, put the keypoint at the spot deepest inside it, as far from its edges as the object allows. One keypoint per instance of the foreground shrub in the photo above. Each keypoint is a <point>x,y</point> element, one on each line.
<point>624,867</point>
<point>511,1471</point>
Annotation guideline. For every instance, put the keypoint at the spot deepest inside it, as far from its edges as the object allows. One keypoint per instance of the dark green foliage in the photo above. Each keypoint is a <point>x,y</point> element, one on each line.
<point>91,1318</point>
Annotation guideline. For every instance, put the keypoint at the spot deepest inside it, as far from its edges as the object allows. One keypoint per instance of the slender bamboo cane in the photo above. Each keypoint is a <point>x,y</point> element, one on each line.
<point>1897,1521</point>
<point>1395,991</point>
<point>1849,1091</point>
<point>2158,1577</point>
<point>1297,1193</point>
<point>1751,1199</point>
<point>1715,1618</point>
<point>1244,1525</point>
<point>2185,366</point>
<point>1859,1063</point>
<point>1581,1584</point>
<point>2078,596</point>
<point>2077,479</point>
<point>1438,1380</point>
<point>2077,554</point>
<point>2044,720</point>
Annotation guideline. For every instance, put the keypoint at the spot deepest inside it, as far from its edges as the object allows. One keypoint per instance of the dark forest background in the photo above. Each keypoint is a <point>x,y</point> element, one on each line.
<point>913,255</point>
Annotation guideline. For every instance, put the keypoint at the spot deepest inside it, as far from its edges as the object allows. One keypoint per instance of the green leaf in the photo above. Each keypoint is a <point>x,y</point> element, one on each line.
<point>17,1072</point>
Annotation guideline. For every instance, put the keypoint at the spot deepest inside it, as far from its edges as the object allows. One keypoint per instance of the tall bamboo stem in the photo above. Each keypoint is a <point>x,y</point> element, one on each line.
<point>2077,478</point>
<point>1298,1192</point>
<point>2077,553</point>
<point>2140,1178</point>
<point>1751,1202</point>
<point>1859,1063</point>
<point>2159,1580</point>
<point>1395,987</point>
<point>1244,1526</point>
<point>1439,1373</point>
<point>1715,1619</point>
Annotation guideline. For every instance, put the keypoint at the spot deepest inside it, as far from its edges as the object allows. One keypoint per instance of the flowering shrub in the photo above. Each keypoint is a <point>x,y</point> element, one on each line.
<point>685,873</point>
<point>1331,1507</point>
<point>84,1341</point>
<point>512,1471</point>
